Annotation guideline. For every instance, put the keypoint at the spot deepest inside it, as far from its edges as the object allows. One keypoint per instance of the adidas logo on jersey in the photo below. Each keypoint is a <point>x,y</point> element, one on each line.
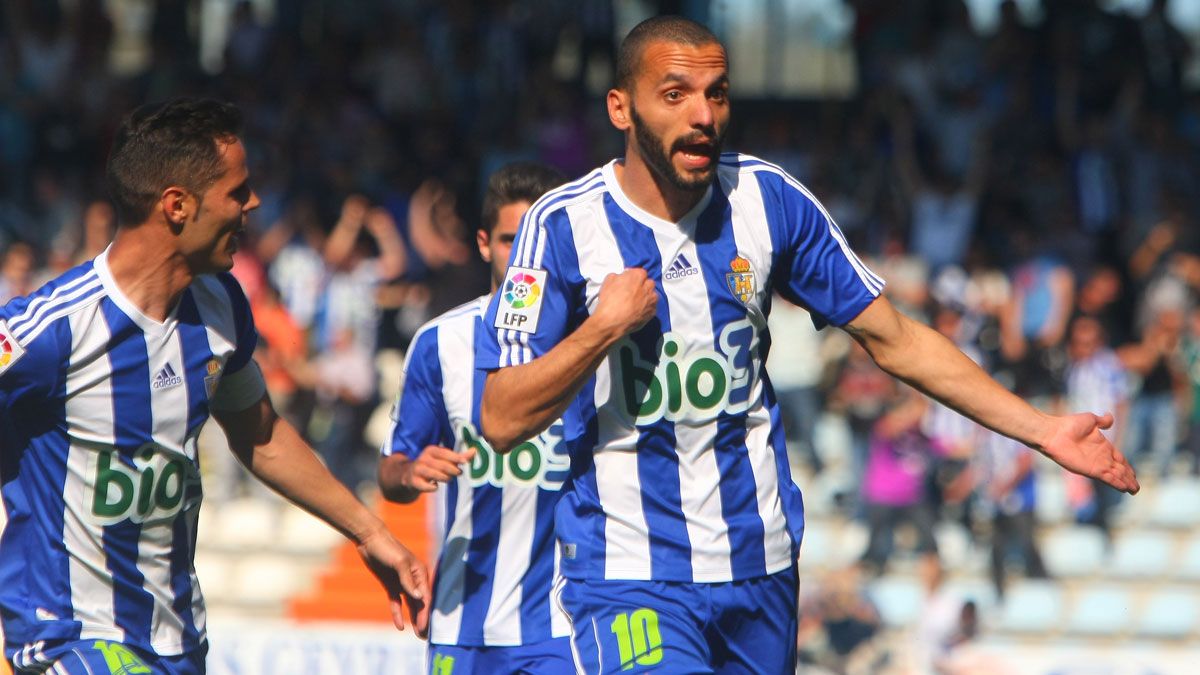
<point>681,267</point>
<point>166,378</point>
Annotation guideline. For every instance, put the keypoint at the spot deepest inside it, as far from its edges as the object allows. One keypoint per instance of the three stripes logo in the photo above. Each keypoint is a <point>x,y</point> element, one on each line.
<point>680,267</point>
<point>166,377</point>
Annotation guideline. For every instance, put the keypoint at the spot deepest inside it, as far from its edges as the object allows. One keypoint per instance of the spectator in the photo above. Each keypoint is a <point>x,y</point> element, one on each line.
<point>1096,381</point>
<point>900,461</point>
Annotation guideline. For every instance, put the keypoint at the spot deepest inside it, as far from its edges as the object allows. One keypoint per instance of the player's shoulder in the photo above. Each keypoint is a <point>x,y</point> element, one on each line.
<point>740,164</point>
<point>221,287</point>
<point>552,206</point>
<point>458,320</point>
<point>25,318</point>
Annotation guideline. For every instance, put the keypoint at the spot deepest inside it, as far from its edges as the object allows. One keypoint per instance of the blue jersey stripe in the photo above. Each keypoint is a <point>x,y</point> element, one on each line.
<point>481,560</point>
<point>182,548</point>
<point>196,354</point>
<point>658,461</point>
<point>132,425</point>
<point>716,248</point>
<point>789,492</point>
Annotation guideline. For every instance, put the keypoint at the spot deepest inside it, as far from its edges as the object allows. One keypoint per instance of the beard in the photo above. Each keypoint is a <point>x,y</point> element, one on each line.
<point>658,155</point>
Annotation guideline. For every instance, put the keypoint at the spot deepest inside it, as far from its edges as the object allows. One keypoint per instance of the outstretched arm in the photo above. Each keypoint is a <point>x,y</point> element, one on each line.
<point>519,402</point>
<point>272,450</point>
<point>923,358</point>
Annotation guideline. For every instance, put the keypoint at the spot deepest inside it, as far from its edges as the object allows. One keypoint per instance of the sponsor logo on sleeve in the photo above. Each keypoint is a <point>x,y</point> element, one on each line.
<point>521,299</point>
<point>10,349</point>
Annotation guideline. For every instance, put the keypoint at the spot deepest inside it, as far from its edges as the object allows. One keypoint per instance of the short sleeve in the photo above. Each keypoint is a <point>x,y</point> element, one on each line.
<point>535,306</point>
<point>29,370</point>
<point>419,417</point>
<point>239,390</point>
<point>243,321</point>
<point>814,266</point>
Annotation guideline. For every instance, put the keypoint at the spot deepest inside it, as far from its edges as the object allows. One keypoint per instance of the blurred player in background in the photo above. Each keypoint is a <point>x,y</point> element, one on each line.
<point>492,610</point>
<point>639,304</point>
<point>107,374</point>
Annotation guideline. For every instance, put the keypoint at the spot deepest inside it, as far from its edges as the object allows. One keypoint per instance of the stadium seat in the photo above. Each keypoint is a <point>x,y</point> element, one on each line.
<point>1074,551</point>
<point>1141,555</point>
<point>1170,613</point>
<point>1176,503</point>
<point>266,580</point>
<point>974,589</point>
<point>899,600</point>
<point>1188,567</point>
<point>303,534</point>
<point>850,542</point>
<point>248,523</point>
<point>816,549</point>
<point>1101,611</point>
<point>954,547</point>
<point>1032,606</point>
<point>1051,498</point>
<point>214,571</point>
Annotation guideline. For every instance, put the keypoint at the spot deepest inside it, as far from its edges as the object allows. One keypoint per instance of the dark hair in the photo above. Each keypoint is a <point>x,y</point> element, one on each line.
<point>517,182</point>
<point>669,28</point>
<point>164,144</point>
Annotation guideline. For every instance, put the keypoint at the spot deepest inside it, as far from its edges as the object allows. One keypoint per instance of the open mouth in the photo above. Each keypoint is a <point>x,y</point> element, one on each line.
<point>696,155</point>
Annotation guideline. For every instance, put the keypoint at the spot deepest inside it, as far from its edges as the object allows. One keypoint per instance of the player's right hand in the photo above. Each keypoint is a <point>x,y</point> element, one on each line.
<point>403,576</point>
<point>435,465</point>
<point>627,300</point>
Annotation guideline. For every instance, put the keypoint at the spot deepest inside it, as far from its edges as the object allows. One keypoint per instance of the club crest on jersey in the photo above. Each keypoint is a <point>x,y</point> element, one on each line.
<point>10,349</point>
<point>741,280</point>
<point>521,299</point>
<point>212,377</point>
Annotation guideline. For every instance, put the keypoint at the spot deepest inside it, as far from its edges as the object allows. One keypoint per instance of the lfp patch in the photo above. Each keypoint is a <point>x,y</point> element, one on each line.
<point>521,299</point>
<point>10,349</point>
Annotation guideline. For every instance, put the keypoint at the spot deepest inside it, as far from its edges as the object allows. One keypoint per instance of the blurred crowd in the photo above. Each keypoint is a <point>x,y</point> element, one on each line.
<point>1033,193</point>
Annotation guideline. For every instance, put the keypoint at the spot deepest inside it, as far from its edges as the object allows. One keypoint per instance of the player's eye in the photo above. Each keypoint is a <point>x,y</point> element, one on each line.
<point>674,95</point>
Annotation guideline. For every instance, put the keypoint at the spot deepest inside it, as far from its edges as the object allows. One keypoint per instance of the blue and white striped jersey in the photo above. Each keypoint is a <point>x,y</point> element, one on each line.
<point>100,407</point>
<point>498,559</point>
<point>679,466</point>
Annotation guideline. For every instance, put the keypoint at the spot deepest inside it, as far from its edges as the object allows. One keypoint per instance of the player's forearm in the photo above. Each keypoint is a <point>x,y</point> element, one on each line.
<point>395,473</point>
<point>924,359</point>
<point>520,402</point>
<point>289,466</point>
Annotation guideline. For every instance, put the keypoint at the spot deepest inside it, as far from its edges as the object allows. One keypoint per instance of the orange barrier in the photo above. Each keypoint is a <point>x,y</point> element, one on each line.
<point>345,590</point>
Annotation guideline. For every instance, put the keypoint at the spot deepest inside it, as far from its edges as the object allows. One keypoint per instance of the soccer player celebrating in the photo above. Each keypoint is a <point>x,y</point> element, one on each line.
<point>638,314</point>
<point>106,376</point>
<point>492,608</point>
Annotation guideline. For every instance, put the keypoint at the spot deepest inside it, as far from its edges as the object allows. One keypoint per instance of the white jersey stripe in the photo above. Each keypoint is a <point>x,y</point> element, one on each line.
<point>89,391</point>
<point>617,479</point>
<point>519,508</point>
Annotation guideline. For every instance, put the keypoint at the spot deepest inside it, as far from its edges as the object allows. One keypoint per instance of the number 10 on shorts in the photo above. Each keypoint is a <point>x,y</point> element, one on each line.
<point>638,638</point>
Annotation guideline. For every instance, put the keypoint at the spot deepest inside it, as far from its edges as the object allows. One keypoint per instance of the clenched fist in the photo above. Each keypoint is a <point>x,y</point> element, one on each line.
<point>627,301</point>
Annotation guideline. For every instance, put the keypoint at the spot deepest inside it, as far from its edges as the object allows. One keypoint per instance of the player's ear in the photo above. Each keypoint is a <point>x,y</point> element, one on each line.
<point>482,239</point>
<point>619,109</point>
<point>175,205</point>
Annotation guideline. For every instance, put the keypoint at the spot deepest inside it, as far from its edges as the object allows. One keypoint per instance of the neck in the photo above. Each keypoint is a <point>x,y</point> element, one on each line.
<point>652,192</point>
<point>148,269</point>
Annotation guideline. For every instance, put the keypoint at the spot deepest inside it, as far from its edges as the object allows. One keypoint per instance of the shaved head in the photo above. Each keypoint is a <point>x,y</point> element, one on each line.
<point>666,28</point>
